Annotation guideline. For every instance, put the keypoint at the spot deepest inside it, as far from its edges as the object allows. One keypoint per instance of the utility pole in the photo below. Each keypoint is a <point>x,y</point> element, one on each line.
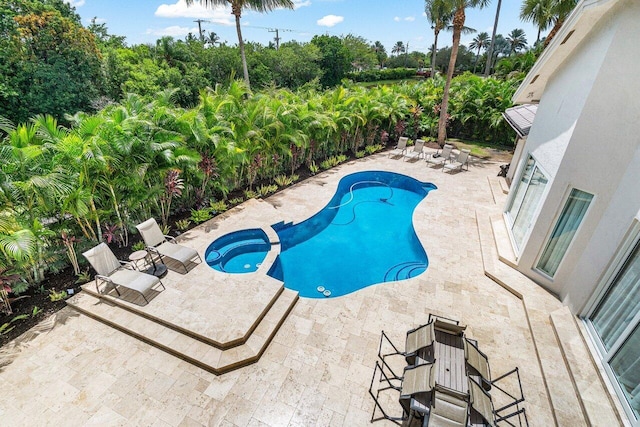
<point>277,37</point>
<point>200,21</point>
<point>406,55</point>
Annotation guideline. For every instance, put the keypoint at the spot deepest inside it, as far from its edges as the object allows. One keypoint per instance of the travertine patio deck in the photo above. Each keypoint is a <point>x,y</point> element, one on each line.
<point>73,370</point>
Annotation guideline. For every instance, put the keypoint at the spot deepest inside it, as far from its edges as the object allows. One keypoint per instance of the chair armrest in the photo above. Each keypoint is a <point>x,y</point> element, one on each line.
<point>104,279</point>
<point>126,264</point>
<point>170,238</point>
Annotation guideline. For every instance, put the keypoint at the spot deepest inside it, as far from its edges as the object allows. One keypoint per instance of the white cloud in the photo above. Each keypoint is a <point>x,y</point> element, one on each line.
<point>173,31</point>
<point>179,9</point>
<point>330,20</point>
<point>410,18</point>
<point>396,18</point>
<point>75,3</point>
<point>301,3</point>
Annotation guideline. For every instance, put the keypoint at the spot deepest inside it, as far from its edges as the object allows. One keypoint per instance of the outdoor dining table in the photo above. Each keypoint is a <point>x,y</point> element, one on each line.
<point>450,368</point>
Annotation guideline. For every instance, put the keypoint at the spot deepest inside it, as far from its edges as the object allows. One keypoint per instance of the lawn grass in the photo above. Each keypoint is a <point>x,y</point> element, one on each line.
<point>479,149</point>
<point>390,82</point>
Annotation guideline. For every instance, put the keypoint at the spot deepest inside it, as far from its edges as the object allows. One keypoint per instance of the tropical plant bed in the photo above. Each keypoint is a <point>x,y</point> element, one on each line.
<point>38,304</point>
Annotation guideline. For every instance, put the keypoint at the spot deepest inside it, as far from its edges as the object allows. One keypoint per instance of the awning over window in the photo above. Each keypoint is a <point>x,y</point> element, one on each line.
<point>521,117</point>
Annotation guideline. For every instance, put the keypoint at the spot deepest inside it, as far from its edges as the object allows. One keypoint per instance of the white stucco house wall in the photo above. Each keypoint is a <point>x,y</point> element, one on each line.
<point>573,212</point>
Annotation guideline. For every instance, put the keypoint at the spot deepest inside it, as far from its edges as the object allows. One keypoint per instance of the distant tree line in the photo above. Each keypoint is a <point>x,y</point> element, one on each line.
<point>50,63</point>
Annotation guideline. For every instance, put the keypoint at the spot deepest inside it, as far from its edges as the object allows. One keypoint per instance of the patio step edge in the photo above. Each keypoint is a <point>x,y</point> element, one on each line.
<point>207,340</point>
<point>587,376</point>
<point>564,404</point>
<point>185,347</point>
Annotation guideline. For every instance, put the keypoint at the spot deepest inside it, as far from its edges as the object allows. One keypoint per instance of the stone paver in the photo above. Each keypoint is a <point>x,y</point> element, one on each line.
<point>318,367</point>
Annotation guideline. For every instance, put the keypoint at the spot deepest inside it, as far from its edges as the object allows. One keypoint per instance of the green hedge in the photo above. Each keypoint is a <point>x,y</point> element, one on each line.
<point>376,75</point>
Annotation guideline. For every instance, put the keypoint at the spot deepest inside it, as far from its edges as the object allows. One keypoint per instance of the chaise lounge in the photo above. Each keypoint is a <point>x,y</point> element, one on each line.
<point>165,246</point>
<point>117,273</point>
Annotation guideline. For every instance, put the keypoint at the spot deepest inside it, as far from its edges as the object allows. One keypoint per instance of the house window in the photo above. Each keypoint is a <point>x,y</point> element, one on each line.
<point>566,227</point>
<point>525,201</point>
<point>616,323</point>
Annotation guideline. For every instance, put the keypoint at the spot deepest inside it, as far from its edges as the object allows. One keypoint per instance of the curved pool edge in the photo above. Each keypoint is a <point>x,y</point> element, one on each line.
<point>272,254</point>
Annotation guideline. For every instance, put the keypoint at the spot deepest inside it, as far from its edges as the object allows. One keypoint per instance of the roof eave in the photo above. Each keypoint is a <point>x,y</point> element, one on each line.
<point>533,85</point>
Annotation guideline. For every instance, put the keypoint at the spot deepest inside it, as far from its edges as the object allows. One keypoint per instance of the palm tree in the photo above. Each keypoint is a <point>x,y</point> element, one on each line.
<point>458,6</point>
<point>560,9</point>
<point>487,68</point>
<point>517,40</point>
<point>479,42</point>
<point>236,10</point>
<point>398,48</point>
<point>539,13</point>
<point>212,39</point>
<point>439,15</point>
<point>380,51</point>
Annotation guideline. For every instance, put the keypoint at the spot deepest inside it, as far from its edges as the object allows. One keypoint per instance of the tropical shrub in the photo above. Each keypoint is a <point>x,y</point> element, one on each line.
<point>200,215</point>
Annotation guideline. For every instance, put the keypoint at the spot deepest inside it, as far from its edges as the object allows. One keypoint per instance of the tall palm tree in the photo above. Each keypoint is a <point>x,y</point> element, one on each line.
<point>236,10</point>
<point>480,41</point>
<point>380,51</point>
<point>487,68</point>
<point>517,40</point>
<point>537,12</point>
<point>458,7</point>
<point>439,16</point>
<point>398,48</point>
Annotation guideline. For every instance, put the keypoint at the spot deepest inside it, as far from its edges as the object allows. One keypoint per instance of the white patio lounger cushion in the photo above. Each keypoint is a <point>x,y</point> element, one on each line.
<point>135,280</point>
<point>443,156</point>
<point>459,162</point>
<point>400,147</point>
<point>103,261</point>
<point>417,151</point>
<point>151,233</point>
<point>153,238</point>
<point>177,252</point>
<point>110,270</point>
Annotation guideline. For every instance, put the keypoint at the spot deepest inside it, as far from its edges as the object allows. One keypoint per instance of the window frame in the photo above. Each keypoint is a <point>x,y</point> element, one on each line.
<point>553,228</point>
<point>608,280</point>
<point>509,218</point>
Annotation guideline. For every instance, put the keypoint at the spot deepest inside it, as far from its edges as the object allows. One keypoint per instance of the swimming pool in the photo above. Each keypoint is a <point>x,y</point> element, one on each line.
<point>363,236</point>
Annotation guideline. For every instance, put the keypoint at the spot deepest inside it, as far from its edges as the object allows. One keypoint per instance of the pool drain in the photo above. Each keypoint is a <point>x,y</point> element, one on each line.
<point>327,293</point>
<point>320,289</point>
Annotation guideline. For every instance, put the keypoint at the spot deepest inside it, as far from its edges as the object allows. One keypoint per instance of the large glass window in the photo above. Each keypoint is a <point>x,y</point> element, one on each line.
<point>562,235</point>
<point>625,365</point>
<point>526,200</point>
<point>621,303</point>
<point>616,321</point>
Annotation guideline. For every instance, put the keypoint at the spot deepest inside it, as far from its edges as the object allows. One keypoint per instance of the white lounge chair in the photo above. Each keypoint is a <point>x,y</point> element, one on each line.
<point>417,151</point>
<point>165,246</point>
<point>443,155</point>
<point>459,162</point>
<point>400,148</point>
<point>118,273</point>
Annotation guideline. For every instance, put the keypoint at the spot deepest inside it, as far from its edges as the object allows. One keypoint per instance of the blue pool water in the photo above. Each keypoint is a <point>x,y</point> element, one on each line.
<point>238,252</point>
<point>363,236</point>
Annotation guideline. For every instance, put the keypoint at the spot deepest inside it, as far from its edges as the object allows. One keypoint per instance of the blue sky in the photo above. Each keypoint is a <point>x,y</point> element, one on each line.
<point>389,21</point>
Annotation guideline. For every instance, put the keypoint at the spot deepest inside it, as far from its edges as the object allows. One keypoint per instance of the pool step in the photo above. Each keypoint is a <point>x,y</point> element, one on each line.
<point>182,345</point>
